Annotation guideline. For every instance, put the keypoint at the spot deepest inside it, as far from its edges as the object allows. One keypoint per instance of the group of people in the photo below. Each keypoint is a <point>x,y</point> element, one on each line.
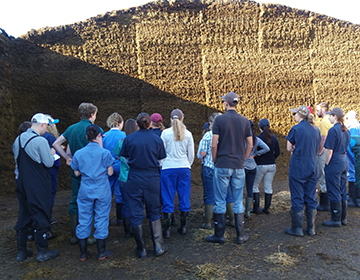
<point>146,165</point>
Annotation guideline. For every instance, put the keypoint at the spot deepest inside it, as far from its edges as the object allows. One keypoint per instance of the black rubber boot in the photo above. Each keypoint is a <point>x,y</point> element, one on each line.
<point>219,229</point>
<point>296,223</point>
<point>119,217</point>
<point>23,252</point>
<point>343,213</point>
<point>239,225</point>
<point>354,202</point>
<point>324,204</point>
<point>167,225</point>
<point>44,253</point>
<point>84,253</point>
<point>310,218</point>
<point>183,222</point>
<point>73,225</point>
<point>268,197</point>
<point>127,228</point>
<point>335,215</point>
<point>156,233</point>
<point>255,209</point>
<point>139,236</point>
<point>248,204</point>
<point>103,253</point>
<point>173,221</point>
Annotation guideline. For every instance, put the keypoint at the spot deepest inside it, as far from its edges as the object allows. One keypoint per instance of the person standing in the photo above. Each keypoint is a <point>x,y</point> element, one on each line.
<point>336,167</point>
<point>93,163</point>
<point>303,142</point>
<point>231,145</point>
<point>76,137</point>
<point>33,158</point>
<point>156,124</point>
<point>143,150</point>
<point>325,125</point>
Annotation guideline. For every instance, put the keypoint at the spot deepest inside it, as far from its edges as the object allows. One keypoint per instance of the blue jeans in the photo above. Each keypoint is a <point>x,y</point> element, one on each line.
<point>208,176</point>
<point>225,178</point>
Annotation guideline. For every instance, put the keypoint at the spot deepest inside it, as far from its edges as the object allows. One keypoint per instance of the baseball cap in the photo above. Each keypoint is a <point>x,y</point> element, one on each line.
<point>303,110</point>
<point>231,97</point>
<point>177,114</point>
<point>336,111</point>
<point>206,125</point>
<point>311,110</point>
<point>264,122</point>
<point>156,118</point>
<point>41,118</point>
<point>97,129</point>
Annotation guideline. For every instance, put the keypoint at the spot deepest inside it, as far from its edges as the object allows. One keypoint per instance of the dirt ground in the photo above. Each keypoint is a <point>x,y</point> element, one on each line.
<point>333,253</point>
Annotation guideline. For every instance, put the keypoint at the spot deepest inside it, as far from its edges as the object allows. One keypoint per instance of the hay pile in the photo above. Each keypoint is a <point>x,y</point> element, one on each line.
<point>281,259</point>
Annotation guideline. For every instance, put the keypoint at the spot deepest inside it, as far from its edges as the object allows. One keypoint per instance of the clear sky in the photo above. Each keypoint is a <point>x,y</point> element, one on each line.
<point>20,16</point>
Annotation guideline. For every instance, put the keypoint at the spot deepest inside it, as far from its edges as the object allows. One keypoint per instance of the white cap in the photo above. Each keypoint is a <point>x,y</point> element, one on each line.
<point>41,118</point>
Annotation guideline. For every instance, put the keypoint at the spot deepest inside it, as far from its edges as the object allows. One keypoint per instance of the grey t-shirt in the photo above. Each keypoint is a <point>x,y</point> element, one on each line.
<point>233,129</point>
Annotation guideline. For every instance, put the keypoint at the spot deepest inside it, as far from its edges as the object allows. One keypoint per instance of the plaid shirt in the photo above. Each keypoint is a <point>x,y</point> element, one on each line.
<point>205,146</point>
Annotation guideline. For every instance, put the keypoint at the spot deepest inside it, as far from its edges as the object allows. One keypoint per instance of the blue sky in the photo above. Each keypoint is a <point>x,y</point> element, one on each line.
<point>20,16</point>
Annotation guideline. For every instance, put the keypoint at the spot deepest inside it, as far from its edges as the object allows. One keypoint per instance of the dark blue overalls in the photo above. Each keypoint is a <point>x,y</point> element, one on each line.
<point>143,149</point>
<point>303,170</point>
<point>336,170</point>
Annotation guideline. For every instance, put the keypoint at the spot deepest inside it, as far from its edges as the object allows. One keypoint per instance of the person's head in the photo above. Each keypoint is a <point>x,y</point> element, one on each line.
<point>40,123</point>
<point>212,119</point>
<point>264,125</point>
<point>93,133</point>
<point>143,121</point>
<point>351,118</point>
<point>130,127</point>
<point>115,120</point>
<point>303,112</point>
<point>336,115</point>
<point>321,109</point>
<point>88,111</point>
<point>53,129</point>
<point>177,118</point>
<point>230,100</point>
<point>156,121</point>
<point>24,126</point>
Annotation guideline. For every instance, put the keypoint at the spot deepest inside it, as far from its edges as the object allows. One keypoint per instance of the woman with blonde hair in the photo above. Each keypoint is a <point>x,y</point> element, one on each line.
<point>175,174</point>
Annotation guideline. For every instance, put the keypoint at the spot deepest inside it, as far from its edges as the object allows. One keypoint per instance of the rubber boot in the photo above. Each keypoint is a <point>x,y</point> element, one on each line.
<point>139,236</point>
<point>296,223</point>
<point>84,253</point>
<point>41,242</point>
<point>335,215</point>
<point>208,216</point>
<point>103,253</point>
<point>310,218</point>
<point>343,213</point>
<point>91,239</point>
<point>353,202</point>
<point>127,228</point>
<point>255,208</point>
<point>239,225</point>
<point>173,221</point>
<point>73,225</point>
<point>324,204</point>
<point>183,223</point>
<point>167,225</point>
<point>23,252</point>
<point>219,229</point>
<point>119,217</point>
<point>156,233</point>
<point>268,197</point>
<point>52,219</point>
<point>248,204</point>
<point>230,213</point>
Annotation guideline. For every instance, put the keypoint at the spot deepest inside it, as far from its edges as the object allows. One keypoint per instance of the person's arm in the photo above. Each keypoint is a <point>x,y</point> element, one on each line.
<point>276,149</point>
<point>77,173</point>
<point>214,146</point>
<point>290,147</point>
<point>321,147</point>
<point>263,147</point>
<point>110,170</point>
<point>191,150</point>
<point>46,156</point>
<point>249,146</point>
<point>201,153</point>
<point>57,146</point>
<point>329,154</point>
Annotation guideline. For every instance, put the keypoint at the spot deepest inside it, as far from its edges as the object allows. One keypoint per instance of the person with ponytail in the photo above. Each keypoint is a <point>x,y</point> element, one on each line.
<point>266,167</point>
<point>94,164</point>
<point>303,142</point>
<point>336,167</point>
<point>143,150</point>
<point>175,174</point>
